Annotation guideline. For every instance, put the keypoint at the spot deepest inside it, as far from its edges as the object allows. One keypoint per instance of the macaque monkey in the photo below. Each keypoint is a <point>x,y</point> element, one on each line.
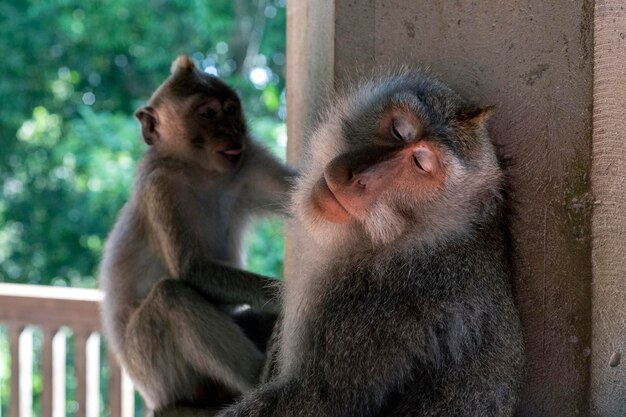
<point>170,267</point>
<point>405,307</point>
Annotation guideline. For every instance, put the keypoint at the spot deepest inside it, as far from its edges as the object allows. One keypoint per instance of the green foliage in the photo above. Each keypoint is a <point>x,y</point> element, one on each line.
<point>73,73</point>
<point>266,247</point>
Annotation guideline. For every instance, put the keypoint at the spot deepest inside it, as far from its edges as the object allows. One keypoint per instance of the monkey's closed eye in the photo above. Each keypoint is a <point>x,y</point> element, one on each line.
<point>425,159</point>
<point>403,130</point>
<point>417,162</point>
<point>395,131</point>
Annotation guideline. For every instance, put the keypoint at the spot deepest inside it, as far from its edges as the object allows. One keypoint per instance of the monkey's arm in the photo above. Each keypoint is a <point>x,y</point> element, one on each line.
<point>230,285</point>
<point>267,190</point>
<point>178,238</point>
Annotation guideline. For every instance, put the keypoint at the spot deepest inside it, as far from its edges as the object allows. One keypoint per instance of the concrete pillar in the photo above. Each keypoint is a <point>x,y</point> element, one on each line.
<point>608,181</point>
<point>563,127</point>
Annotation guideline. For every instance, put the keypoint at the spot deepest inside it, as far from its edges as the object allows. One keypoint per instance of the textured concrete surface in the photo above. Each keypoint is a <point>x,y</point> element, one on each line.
<point>608,178</point>
<point>535,61</point>
<point>310,64</point>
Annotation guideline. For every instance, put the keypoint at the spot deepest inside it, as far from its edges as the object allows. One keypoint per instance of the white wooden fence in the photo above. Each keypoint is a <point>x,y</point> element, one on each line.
<point>58,315</point>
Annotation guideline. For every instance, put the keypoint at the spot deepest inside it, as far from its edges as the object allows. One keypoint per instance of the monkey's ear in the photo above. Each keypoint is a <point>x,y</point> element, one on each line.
<point>474,116</point>
<point>148,119</point>
<point>182,63</point>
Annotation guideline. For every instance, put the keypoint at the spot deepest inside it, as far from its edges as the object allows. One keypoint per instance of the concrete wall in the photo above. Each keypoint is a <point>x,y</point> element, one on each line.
<point>564,129</point>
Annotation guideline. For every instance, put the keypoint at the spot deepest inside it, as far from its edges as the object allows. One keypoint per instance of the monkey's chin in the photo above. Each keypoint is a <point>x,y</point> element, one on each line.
<point>231,158</point>
<point>326,204</point>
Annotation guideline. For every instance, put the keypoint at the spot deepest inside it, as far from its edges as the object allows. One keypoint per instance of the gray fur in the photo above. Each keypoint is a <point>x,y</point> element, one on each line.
<point>407,310</point>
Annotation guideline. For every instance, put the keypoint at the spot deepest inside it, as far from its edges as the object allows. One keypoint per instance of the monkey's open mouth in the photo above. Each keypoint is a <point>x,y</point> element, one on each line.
<point>233,154</point>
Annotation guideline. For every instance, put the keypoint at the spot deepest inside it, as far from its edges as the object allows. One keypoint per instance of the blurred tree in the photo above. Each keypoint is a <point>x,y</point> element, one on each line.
<point>73,72</point>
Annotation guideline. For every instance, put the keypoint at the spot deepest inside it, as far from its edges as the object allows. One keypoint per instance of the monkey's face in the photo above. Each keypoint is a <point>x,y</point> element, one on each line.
<point>400,156</point>
<point>399,161</point>
<point>212,129</point>
<point>196,117</point>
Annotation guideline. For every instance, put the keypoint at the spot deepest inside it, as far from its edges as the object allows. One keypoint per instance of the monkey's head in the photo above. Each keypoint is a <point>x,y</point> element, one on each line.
<point>195,117</point>
<point>400,157</point>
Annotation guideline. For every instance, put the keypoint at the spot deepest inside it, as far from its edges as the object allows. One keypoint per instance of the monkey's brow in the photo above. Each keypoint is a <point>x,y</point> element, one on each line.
<point>197,99</point>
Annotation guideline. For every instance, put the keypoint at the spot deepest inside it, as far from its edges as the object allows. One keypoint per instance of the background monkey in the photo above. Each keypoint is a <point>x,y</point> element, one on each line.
<point>168,269</point>
<point>406,307</point>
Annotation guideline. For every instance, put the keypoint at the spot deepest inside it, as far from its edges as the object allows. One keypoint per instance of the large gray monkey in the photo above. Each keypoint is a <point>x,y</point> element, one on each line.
<point>404,307</point>
<point>169,269</point>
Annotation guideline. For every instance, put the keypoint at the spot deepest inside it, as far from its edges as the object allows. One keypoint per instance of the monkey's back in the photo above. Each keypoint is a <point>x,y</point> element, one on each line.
<point>129,268</point>
<point>215,210</point>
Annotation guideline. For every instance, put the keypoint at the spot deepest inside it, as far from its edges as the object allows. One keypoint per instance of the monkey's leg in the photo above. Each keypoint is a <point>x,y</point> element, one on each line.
<point>176,340</point>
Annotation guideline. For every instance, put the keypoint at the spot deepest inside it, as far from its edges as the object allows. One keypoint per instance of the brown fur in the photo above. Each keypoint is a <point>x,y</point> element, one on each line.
<point>170,269</point>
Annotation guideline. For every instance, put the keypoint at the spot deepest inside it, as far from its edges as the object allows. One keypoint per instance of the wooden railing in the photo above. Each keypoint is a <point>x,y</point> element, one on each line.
<point>54,311</point>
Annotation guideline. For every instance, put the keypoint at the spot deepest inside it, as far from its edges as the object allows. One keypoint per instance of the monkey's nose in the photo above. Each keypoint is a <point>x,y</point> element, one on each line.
<point>215,105</point>
<point>229,131</point>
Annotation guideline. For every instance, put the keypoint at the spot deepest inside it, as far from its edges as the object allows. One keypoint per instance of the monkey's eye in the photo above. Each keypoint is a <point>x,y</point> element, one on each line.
<point>425,159</point>
<point>417,162</point>
<point>395,132</point>
<point>208,114</point>
<point>402,129</point>
<point>210,109</point>
<point>230,107</point>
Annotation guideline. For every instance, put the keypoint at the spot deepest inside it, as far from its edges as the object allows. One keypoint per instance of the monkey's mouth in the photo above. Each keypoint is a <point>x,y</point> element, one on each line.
<point>233,155</point>
<point>326,203</point>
